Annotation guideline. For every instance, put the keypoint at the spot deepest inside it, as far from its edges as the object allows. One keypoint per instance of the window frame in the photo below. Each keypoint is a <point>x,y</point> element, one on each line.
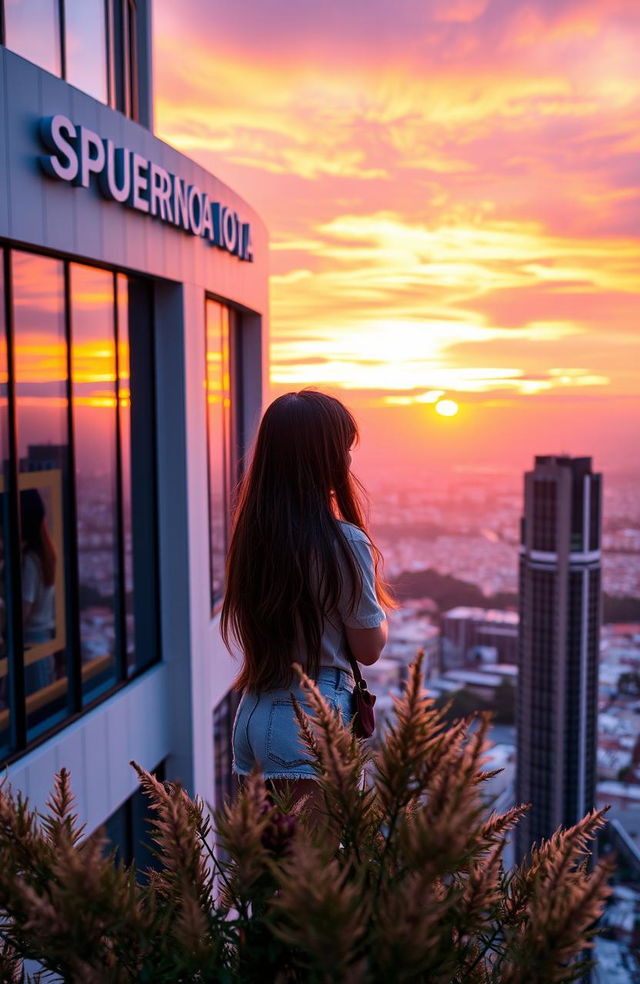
<point>233,450</point>
<point>121,65</point>
<point>225,780</point>
<point>19,741</point>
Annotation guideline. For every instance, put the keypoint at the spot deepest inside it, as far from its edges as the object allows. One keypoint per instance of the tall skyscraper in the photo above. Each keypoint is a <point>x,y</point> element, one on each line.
<point>560,602</point>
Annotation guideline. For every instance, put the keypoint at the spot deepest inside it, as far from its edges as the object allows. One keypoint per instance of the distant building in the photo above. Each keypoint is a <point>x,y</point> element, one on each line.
<point>410,631</point>
<point>468,633</point>
<point>560,604</point>
<point>482,684</point>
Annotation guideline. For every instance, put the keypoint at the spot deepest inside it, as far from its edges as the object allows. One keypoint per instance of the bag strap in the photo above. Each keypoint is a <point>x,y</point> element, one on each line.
<point>360,680</point>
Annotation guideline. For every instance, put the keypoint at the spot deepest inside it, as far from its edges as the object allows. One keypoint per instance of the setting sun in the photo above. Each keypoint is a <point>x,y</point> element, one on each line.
<point>421,246</point>
<point>447,408</point>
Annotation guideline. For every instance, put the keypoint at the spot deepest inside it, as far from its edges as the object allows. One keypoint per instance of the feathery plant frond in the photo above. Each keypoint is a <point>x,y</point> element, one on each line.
<point>339,760</point>
<point>321,910</point>
<point>183,880</point>
<point>413,744</point>
<point>241,826</point>
<point>394,872</point>
<point>176,837</point>
<point>554,902</point>
<point>61,825</point>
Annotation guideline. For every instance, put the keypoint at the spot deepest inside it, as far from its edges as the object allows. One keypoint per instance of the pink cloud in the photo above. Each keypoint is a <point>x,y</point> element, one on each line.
<point>501,142</point>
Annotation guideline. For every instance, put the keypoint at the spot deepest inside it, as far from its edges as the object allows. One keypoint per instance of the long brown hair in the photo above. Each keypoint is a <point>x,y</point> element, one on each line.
<point>35,534</point>
<point>283,571</point>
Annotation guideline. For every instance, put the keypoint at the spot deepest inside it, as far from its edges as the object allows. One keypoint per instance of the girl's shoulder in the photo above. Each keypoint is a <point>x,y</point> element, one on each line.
<point>31,562</point>
<point>353,533</point>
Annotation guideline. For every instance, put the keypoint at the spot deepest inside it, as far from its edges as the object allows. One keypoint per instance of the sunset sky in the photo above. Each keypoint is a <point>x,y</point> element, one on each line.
<point>452,190</point>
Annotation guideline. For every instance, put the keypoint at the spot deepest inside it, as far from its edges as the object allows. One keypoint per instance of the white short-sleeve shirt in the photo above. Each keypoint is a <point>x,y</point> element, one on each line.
<point>367,613</point>
<point>35,592</point>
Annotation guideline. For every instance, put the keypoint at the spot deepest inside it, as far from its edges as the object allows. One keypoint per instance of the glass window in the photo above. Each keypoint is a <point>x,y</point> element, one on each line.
<point>129,831</point>
<point>124,423</point>
<point>86,46</point>
<point>124,45</point>
<point>225,780</point>
<point>93,374</point>
<point>40,357</point>
<point>32,29</point>
<point>142,464</point>
<point>70,551</point>
<point>4,560</point>
<point>100,52</point>
<point>218,390</point>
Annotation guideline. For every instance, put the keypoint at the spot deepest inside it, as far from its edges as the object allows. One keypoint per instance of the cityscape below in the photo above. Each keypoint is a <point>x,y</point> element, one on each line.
<point>451,553</point>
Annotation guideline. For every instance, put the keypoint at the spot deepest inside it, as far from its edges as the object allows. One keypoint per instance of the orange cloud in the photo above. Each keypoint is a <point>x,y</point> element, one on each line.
<point>451,188</point>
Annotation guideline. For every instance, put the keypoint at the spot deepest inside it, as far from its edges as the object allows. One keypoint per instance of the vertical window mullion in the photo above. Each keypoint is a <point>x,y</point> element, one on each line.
<point>74,650</point>
<point>125,59</point>
<point>208,440</point>
<point>121,616</point>
<point>117,42</point>
<point>2,28</point>
<point>15,648</point>
<point>132,54</point>
<point>226,418</point>
<point>154,498</point>
<point>237,401</point>
<point>63,40</point>
<point>109,43</point>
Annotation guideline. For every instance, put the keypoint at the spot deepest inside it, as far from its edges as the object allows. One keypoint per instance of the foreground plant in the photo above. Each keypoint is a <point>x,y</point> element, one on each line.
<point>399,878</point>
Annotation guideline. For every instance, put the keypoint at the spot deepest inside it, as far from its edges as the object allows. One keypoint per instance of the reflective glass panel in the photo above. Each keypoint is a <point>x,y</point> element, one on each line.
<point>32,30</point>
<point>93,375</point>
<point>40,357</point>
<point>124,412</point>
<point>4,559</point>
<point>225,780</point>
<point>218,427</point>
<point>128,830</point>
<point>86,46</point>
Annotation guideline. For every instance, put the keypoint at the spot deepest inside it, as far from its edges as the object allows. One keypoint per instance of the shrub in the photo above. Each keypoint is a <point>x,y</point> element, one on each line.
<point>396,878</point>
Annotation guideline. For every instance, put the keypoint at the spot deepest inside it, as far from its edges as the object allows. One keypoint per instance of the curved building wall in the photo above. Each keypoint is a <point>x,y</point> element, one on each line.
<point>78,221</point>
<point>165,712</point>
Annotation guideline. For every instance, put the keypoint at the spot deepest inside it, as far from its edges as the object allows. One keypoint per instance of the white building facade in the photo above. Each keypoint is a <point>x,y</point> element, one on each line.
<point>133,288</point>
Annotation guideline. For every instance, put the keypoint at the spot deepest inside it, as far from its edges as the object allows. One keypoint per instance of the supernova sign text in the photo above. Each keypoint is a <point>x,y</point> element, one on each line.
<point>126,177</point>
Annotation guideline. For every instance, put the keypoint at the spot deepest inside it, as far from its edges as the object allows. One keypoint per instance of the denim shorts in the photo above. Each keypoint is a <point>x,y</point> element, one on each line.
<point>265,729</point>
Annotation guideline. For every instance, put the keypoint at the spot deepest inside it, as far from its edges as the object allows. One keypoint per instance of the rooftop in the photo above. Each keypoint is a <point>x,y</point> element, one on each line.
<point>483,615</point>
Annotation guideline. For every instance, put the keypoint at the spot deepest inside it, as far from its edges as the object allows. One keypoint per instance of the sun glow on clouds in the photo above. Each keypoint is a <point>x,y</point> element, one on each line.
<point>451,187</point>
<point>391,300</point>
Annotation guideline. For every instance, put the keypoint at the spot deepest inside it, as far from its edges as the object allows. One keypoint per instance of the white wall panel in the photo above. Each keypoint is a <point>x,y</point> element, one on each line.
<point>101,776</point>
<point>100,230</point>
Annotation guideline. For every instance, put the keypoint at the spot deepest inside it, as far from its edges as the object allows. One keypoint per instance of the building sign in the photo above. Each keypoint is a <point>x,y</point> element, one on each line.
<point>126,177</point>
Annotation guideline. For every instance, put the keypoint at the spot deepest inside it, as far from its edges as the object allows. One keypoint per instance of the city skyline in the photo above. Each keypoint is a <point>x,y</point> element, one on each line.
<point>451,191</point>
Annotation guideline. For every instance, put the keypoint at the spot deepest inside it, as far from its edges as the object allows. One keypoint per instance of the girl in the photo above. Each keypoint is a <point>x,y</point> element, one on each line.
<point>38,592</point>
<point>302,581</point>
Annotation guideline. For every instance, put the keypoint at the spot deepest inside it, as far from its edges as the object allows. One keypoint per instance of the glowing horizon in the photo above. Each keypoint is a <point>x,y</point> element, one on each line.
<point>452,192</point>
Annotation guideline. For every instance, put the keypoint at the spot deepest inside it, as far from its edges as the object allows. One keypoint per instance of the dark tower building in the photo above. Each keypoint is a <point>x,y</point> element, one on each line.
<point>560,600</point>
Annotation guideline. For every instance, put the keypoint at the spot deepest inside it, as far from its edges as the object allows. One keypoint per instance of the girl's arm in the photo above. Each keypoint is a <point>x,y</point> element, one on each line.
<point>365,624</point>
<point>366,645</point>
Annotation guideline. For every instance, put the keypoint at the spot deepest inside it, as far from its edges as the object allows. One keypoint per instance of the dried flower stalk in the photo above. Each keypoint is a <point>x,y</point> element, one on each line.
<point>399,877</point>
